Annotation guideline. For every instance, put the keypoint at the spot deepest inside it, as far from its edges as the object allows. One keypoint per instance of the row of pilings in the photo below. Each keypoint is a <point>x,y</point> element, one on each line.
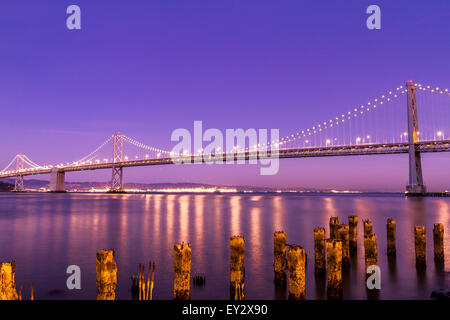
<point>331,257</point>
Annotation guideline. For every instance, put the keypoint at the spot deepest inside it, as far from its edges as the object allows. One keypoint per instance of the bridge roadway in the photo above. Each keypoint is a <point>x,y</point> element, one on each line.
<point>306,152</point>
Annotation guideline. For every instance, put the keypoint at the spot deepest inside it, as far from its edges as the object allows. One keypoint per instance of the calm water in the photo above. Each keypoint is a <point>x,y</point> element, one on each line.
<point>45,233</point>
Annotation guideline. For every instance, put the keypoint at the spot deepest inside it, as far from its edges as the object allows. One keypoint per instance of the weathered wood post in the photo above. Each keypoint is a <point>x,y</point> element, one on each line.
<point>237,268</point>
<point>8,281</point>
<point>334,223</point>
<point>371,250</point>
<point>391,230</point>
<point>106,270</point>
<point>438,239</point>
<point>182,257</point>
<point>353,232</point>
<point>343,235</point>
<point>279,256</point>
<point>420,244</point>
<point>368,228</point>
<point>297,276</point>
<point>319,251</point>
<point>334,269</point>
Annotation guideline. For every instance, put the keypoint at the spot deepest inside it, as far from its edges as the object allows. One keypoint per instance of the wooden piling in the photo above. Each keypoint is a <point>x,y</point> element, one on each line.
<point>152,283</point>
<point>438,240</point>
<point>334,269</point>
<point>182,257</point>
<point>8,281</point>
<point>343,235</point>
<point>237,267</point>
<point>319,251</point>
<point>334,223</point>
<point>368,228</point>
<point>140,281</point>
<point>279,256</point>
<point>353,232</point>
<point>371,250</point>
<point>420,244</point>
<point>296,267</point>
<point>391,231</point>
<point>148,280</point>
<point>106,269</point>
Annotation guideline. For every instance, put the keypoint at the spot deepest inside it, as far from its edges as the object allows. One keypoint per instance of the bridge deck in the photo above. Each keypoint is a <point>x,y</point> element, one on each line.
<point>330,151</point>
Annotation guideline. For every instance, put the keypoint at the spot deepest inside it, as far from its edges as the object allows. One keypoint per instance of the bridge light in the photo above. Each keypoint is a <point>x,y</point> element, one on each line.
<point>439,133</point>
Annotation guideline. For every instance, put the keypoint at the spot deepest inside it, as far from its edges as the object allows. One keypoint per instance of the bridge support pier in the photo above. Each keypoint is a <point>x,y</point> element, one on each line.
<point>57,181</point>
<point>416,185</point>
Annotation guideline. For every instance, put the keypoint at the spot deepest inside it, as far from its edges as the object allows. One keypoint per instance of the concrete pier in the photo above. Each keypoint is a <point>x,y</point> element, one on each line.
<point>57,181</point>
<point>391,242</point>
<point>334,269</point>
<point>8,281</point>
<point>182,257</point>
<point>237,267</point>
<point>106,269</point>
<point>353,232</point>
<point>420,244</point>
<point>279,256</point>
<point>319,251</point>
<point>438,241</point>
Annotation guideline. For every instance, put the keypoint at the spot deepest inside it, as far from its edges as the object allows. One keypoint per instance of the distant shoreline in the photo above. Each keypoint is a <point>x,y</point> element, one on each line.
<point>284,193</point>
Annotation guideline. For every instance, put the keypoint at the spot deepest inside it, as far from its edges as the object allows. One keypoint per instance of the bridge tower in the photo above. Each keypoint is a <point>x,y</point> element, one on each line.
<point>18,183</point>
<point>415,164</point>
<point>117,170</point>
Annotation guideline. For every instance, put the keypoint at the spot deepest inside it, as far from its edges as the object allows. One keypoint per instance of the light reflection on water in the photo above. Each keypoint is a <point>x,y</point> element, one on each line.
<point>45,233</point>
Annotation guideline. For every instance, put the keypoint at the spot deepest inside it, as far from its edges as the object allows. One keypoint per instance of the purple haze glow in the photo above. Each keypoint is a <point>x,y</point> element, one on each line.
<point>148,67</point>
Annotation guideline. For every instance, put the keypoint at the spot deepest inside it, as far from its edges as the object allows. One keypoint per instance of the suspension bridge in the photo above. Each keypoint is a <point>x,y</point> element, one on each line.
<point>388,124</point>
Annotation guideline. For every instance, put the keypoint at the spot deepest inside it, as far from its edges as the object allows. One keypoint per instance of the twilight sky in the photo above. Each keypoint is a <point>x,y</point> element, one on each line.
<point>147,67</point>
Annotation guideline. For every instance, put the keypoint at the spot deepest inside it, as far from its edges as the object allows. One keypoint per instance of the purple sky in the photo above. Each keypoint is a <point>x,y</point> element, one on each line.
<point>148,67</point>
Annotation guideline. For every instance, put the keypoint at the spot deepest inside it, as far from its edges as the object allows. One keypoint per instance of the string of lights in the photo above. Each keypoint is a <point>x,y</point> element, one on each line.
<point>144,146</point>
<point>90,155</point>
<point>358,111</point>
